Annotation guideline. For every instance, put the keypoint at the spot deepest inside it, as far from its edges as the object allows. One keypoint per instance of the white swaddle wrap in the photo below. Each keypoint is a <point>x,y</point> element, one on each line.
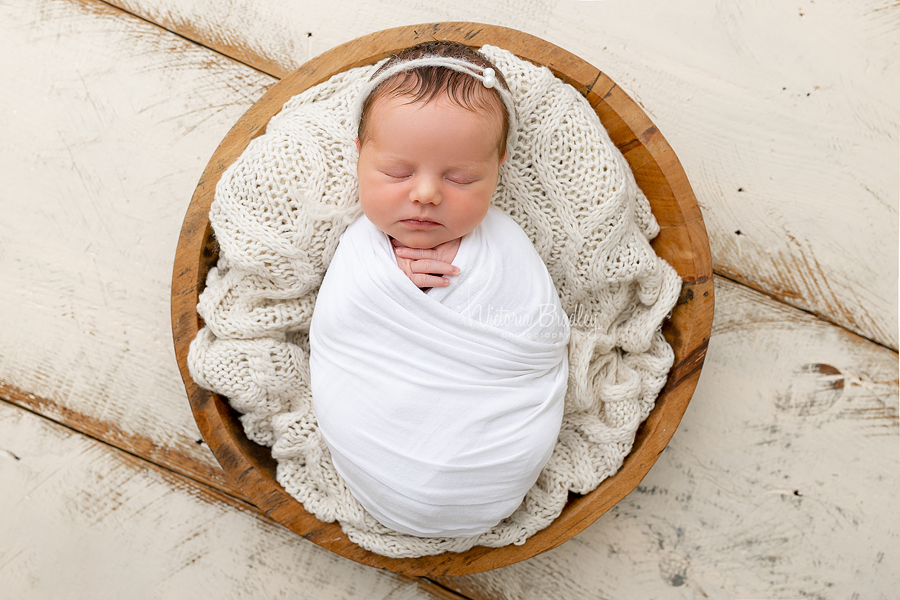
<point>440,409</point>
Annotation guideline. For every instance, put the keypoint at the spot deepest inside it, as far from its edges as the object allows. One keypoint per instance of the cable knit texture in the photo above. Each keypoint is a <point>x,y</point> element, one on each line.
<point>279,212</point>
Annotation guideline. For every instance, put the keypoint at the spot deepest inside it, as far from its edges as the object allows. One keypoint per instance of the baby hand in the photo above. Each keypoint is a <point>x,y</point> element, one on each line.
<point>424,266</point>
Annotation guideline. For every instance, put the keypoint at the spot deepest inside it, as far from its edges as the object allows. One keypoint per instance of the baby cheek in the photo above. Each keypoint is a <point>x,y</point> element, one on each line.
<point>367,200</point>
<point>369,188</point>
<point>473,210</point>
<point>379,203</point>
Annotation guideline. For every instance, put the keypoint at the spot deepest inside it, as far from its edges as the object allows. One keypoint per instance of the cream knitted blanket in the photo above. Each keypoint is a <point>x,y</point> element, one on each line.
<point>279,212</point>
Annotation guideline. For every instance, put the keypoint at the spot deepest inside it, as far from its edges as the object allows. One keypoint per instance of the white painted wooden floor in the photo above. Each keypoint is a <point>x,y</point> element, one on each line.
<point>782,479</point>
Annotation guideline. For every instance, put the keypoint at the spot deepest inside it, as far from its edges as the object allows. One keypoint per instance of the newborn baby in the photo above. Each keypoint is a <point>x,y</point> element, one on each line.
<point>438,346</point>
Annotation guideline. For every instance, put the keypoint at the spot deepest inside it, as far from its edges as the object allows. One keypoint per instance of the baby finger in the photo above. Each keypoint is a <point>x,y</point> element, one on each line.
<point>435,267</point>
<point>425,280</point>
<point>415,253</point>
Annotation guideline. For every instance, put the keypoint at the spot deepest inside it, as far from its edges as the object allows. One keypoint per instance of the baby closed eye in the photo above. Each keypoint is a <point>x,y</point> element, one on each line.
<point>397,174</point>
<point>455,179</point>
<point>461,180</point>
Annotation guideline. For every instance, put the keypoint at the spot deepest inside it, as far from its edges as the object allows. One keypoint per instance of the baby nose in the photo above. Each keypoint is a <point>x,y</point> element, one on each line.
<point>426,191</point>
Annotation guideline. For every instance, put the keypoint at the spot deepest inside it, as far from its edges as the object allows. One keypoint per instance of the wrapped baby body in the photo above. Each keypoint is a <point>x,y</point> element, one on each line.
<point>440,409</point>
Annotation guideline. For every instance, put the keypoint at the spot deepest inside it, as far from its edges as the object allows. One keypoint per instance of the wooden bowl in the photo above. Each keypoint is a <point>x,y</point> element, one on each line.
<point>682,242</point>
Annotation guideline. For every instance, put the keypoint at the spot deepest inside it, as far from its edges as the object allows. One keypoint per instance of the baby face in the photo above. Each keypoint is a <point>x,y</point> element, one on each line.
<point>427,170</point>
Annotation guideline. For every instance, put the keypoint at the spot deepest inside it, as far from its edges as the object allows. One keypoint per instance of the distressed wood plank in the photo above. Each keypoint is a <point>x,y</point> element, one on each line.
<point>781,481</point>
<point>83,520</point>
<point>784,116</point>
<point>106,131</point>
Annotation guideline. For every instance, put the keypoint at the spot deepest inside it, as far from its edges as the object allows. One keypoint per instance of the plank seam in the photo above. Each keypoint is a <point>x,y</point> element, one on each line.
<point>206,488</point>
<point>94,429</point>
<point>448,592</point>
<point>184,37</point>
<point>812,313</point>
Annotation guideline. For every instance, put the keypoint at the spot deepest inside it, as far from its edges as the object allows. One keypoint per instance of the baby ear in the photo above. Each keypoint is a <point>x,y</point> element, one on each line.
<point>502,158</point>
<point>358,146</point>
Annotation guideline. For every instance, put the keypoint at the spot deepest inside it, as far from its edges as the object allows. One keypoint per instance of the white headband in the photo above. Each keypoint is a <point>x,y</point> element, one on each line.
<point>486,76</point>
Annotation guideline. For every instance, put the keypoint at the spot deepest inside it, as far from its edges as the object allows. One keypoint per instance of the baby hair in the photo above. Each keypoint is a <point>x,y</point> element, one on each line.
<point>424,83</point>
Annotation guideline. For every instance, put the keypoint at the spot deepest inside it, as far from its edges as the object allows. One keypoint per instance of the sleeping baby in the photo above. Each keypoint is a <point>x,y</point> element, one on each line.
<point>438,346</point>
